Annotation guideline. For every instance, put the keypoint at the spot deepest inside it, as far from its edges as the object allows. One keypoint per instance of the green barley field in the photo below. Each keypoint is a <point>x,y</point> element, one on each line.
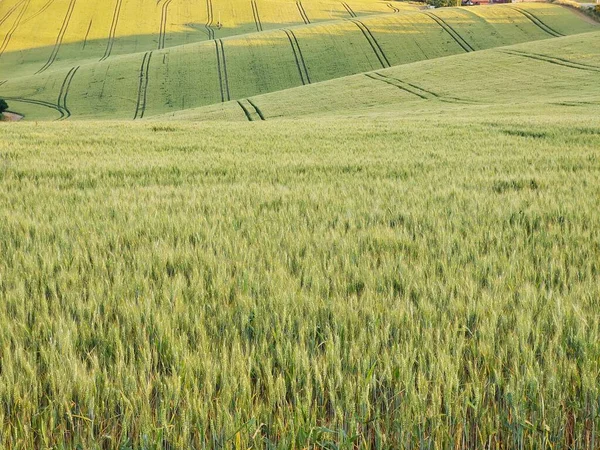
<point>299,225</point>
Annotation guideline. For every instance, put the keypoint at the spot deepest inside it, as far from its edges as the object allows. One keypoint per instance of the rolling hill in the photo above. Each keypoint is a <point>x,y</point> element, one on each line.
<point>146,75</point>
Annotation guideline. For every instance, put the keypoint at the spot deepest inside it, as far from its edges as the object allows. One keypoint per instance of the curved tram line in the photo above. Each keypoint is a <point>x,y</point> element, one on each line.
<point>59,38</point>
<point>140,108</point>
<point>302,12</point>
<point>40,11</point>
<point>256,16</point>
<point>304,77</point>
<point>209,20</point>
<point>448,29</point>
<point>163,24</point>
<point>10,33</point>
<point>372,42</point>
<point>58,108</point>
<point>10,12</point>
<point>113,30</point>
<point>64,92</point>
<point>222,71</point>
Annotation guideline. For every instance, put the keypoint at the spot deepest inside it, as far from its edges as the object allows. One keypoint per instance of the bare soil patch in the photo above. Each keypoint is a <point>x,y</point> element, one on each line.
<point>10,117</point>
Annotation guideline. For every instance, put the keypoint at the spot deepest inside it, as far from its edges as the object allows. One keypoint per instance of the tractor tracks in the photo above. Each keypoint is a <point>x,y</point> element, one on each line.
<point>64,92</point>
<point>251,111</point>
<point>300,63</point>
<point>256,15</point>
<point>140,107</point>
<point>372,42</point>
<point>163,24</point>
<point>113,30</point>
<point>209,20</point>
<point>59,38</point>
<point>553,60</point>
<point>413,88</point>
<point>222,71</point>
<point>393,8</point>
<point>10,12</point>
<point>14,27</point>
<point>45,104</point>
<point>448,29</point>
<point>40,11</point>
<point>302,12</point>
<point>541,25</point>
<point>348,9</point>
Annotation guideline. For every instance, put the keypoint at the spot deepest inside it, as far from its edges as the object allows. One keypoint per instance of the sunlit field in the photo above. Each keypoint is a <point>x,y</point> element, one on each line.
<point>298,225</point>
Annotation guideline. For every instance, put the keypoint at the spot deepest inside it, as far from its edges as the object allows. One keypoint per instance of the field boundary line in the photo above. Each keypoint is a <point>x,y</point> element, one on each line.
<point>348,9</point>
<point>372,42</point>
<point>553,60</point>
<point>40,11</point>
<point>140,108</point>
<point>163,24</point>
<point>64,91</point>
<point>113,30</point>
<point>59,38</point>
<point>302,12</point>
<point>448,29</point>
<point>256,15</point>
<point>209,20</point>
<point>541,25</point>
<point>12,30</point>
<point>300,63</point>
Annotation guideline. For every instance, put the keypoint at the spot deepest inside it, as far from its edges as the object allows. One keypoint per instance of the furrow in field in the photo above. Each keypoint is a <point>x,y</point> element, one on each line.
<point>140,108</point>
<point>256,15</point>
<point>302,70</point>
<point>553,60</point>
<point>348,9</point>
<point>59,38</point>
<point>16,24</point>
<point>372,42</point>
<point>64,92</point>
<point>302,12</point>
<point>457,37</point>
<point>113,30</point>
<point>538,22</point>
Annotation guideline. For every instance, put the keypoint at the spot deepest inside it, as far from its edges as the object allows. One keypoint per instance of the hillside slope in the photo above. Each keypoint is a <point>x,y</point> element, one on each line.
<point>556,72</point>
<point>188,76</point>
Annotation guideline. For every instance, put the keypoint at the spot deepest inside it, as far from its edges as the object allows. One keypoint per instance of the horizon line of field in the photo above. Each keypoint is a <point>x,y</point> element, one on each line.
<point>162,32</point>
